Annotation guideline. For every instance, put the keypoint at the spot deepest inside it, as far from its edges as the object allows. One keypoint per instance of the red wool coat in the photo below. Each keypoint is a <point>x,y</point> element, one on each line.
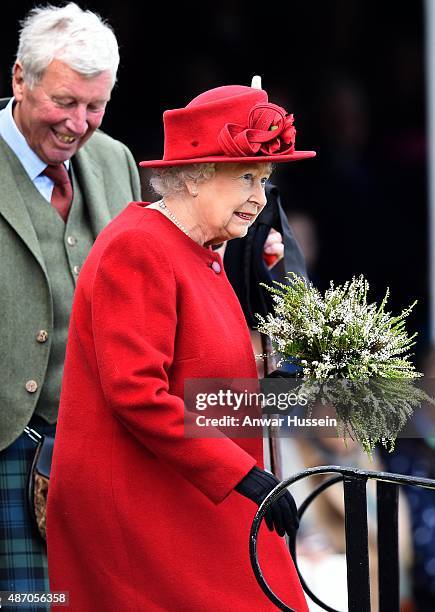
<point>140,517</point>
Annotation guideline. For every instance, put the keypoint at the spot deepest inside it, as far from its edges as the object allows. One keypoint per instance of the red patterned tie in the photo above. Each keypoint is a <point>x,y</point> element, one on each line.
<point>61,197</point>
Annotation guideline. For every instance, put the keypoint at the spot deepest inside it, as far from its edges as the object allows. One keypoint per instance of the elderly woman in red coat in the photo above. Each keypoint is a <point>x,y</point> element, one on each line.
<point>140,516</point>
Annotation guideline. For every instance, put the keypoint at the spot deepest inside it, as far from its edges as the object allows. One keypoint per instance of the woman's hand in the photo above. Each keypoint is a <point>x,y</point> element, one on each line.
<point>273,250</point>
<point>283,514</point>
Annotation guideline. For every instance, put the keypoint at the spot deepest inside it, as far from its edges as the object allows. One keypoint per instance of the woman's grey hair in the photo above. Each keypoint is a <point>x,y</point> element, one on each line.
<point>172,181</point>
<point>79,38</point>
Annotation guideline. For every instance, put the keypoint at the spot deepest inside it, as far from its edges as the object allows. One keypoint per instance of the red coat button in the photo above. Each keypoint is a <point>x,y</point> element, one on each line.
<point>216,267</point>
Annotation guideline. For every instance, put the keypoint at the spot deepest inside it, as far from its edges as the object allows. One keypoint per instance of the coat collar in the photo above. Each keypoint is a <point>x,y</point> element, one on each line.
<point>12,205</point>
<point>94,189</point>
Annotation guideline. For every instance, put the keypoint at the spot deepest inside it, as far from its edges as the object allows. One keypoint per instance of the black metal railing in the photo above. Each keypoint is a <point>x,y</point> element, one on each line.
<point>356,534</point>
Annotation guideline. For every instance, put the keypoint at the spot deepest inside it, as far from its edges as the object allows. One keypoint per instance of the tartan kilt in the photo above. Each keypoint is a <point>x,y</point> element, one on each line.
<point>23,558</point>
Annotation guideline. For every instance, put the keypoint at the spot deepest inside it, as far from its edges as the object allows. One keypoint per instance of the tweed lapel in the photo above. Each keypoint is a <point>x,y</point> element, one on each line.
<point>12,205</point>
<point>93,188</point>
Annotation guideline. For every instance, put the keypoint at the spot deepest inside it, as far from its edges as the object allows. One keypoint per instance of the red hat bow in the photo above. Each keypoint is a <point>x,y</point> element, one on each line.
<point>270,131</point>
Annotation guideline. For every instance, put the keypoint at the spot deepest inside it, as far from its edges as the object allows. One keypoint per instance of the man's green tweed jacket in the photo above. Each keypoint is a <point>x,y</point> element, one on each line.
<point>108,180</point>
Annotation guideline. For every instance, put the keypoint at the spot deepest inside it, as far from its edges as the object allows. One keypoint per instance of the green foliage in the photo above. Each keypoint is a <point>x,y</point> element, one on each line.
<point>354,355</point>
<point>339,334</point>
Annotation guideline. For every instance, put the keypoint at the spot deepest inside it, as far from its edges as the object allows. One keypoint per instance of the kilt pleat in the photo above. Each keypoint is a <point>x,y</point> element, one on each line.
<point>23,558</point>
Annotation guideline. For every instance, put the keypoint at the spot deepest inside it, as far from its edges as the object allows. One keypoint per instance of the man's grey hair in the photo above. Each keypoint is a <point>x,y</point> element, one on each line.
<point>172,180</point>
<point>79,38</point>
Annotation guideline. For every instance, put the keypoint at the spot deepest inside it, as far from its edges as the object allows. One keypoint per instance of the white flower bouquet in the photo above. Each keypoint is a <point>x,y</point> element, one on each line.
<point>352,354</point>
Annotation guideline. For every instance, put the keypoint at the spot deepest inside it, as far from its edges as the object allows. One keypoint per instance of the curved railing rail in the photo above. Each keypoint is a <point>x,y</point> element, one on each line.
<point>356,533</point>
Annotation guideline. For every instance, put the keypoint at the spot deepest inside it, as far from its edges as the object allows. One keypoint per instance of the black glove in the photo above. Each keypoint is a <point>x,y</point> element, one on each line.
<point>283,514</point>
<point>283,373</point>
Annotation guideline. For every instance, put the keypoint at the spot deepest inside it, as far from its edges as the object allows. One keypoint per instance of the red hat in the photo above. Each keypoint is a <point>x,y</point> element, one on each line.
<point>228,124</point>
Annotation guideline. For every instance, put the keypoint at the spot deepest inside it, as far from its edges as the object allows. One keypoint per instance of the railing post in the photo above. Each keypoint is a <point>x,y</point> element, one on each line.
<point>357,552</point>
<point>388,546</point>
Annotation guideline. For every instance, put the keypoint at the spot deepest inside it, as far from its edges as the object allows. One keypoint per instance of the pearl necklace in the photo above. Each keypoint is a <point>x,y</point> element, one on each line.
<point>173,218</point>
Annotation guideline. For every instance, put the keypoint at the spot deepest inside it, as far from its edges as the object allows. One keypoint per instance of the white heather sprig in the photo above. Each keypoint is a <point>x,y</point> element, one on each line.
<point>339,334</point>
<point>353,354</point>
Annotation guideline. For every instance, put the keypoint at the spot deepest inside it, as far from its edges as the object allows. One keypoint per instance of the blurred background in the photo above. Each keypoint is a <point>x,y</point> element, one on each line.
<point>353,74</point>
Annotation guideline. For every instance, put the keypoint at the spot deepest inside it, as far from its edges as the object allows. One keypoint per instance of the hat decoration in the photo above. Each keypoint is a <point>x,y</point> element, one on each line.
<point>269,131</point>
